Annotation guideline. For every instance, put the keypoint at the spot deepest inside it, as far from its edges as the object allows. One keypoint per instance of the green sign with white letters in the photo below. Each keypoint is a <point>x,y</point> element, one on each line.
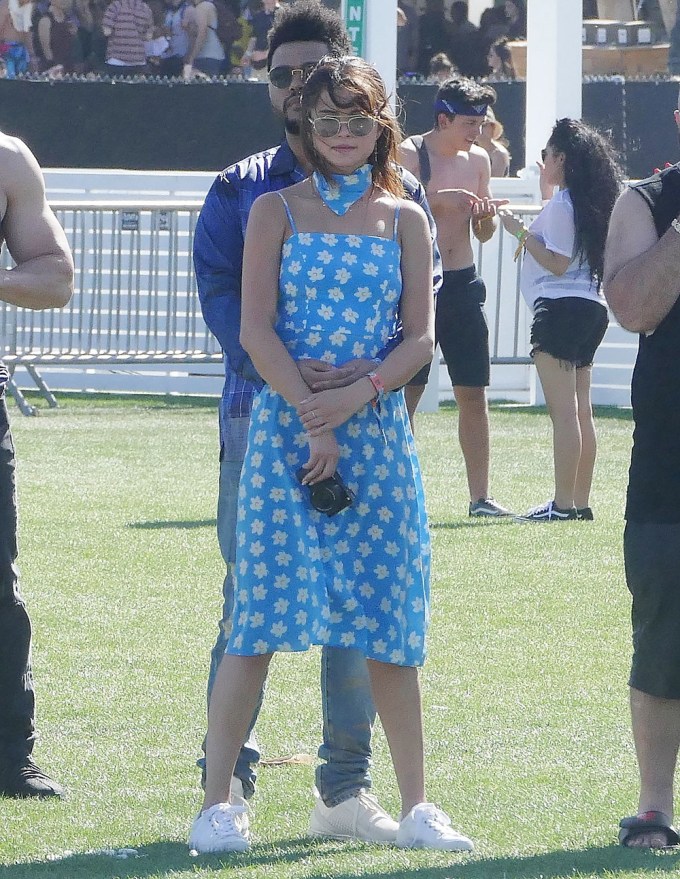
<point>355,22</point>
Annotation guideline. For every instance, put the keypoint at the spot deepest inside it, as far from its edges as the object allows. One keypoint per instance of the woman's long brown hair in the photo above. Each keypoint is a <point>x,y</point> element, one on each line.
<point>352,82</point>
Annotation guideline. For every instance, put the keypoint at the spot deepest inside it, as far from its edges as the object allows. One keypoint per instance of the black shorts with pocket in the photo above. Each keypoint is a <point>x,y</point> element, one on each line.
<point>461,330</point>
<point>569,329</point>
<point>652,557</point>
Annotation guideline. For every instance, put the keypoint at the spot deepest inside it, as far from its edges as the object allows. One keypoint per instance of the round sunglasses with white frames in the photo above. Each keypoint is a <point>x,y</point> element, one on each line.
<point>329,126</point>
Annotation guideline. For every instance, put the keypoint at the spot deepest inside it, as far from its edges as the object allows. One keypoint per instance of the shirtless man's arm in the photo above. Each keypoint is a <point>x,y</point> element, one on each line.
<point>484,210</point>
<point>641,270</point>
<point>43,275</point>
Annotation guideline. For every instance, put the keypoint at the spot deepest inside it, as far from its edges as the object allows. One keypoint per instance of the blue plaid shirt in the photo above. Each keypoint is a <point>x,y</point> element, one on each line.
<point>218,261</point>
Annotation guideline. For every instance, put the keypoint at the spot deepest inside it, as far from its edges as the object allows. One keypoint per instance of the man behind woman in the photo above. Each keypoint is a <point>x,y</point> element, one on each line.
<point>327,265</point>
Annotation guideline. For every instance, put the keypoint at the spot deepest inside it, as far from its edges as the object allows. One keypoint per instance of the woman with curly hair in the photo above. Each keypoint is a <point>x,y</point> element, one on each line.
<point>561,280</point>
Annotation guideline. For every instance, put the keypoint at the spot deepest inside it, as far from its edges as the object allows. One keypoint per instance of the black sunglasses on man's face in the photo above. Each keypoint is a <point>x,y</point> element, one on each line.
<point>281,77</point>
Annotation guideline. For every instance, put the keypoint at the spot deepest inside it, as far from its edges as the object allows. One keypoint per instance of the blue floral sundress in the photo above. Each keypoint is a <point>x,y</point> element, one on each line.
<point>360,578</point>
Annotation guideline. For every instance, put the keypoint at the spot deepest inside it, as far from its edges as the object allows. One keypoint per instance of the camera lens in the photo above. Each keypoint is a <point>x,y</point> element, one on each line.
<point>323,498</point>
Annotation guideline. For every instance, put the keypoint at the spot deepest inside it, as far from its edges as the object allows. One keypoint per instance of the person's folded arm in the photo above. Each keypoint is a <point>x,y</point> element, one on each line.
<point>218,261</point>
<point>640,269</point>
<point>329,409</point>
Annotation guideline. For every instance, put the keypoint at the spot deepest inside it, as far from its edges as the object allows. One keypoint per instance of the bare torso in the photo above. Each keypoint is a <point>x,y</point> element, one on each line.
<point>452,176</point>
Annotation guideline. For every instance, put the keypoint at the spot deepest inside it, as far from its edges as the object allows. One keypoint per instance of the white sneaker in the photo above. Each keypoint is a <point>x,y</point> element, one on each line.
<point>426,826</point>
<point>359,817</point>
<point>221,828</point>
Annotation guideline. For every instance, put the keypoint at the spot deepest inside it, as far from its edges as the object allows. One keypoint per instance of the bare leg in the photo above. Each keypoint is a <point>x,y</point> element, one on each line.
<point>558,380</point>
<point>656,731</point>
<point>234,698</point>
<point>413,393</point>
<point>586,464</point>
<point>396,693</point>
<point>473,435</point>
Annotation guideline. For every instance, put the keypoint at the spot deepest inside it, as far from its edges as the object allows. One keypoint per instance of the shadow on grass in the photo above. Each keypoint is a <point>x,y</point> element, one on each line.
<point>133,399</point>
<point>616,413</point>
<point>167,858</point>
<point>161,859</point>
<point>159,524</point>
<point>605,861</point>
<point>473,522</point>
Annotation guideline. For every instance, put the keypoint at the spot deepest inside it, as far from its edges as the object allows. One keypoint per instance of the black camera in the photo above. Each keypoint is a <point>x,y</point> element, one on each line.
<point>329,496</point>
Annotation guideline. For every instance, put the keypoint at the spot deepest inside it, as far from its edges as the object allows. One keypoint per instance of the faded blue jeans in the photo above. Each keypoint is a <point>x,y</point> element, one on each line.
<point>347,704</point>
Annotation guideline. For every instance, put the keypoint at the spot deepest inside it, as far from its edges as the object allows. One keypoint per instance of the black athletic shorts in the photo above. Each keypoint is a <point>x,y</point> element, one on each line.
<point>569,329</point>
<point>652,557</point>
<point>461,330</point>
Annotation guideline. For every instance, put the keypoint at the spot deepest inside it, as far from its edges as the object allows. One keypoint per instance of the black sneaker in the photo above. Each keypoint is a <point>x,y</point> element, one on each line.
<point>27,779</point>
<point>548,512</point>
<point>486,507</point>
<point>584,514</point>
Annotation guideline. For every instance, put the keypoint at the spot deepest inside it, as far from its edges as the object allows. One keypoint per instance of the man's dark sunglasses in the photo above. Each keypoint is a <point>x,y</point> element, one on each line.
<point>544,155</point>
<point>281,77</point>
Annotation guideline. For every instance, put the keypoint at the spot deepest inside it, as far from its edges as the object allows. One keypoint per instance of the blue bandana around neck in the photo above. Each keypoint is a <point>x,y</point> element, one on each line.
<point>345,190</point>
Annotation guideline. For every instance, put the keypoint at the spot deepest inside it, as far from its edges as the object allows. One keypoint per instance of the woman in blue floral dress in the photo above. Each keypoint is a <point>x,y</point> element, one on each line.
<point>330,266</point>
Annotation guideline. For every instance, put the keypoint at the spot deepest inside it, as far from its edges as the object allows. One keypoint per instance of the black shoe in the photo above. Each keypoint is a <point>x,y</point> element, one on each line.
<point>486,507</point>
<point>584,514</point>
<point>548,512</point>
<point>26,779</point>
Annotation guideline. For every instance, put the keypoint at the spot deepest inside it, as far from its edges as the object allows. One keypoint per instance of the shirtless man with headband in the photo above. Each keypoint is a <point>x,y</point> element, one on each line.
<point>456,174</point>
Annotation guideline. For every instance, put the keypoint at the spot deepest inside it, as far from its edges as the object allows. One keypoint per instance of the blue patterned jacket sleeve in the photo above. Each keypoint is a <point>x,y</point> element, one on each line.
<point>416,192</point>
<point>218,260</point>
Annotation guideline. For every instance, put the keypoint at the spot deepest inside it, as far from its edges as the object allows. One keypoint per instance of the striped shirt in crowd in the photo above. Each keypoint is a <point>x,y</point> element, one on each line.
<point>130,21</point>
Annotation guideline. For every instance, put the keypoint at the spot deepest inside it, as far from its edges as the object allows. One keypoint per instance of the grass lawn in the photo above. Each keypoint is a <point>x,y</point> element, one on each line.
<point>525,690</point>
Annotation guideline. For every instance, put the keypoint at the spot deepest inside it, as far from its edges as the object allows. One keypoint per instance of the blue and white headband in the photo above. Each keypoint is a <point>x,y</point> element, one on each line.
<point>443,106</point>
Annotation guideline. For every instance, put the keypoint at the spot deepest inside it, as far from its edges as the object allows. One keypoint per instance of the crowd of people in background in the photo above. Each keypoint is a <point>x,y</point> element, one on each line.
<point>438,31</point>
<point>168,38</point>
<point>196,38</point>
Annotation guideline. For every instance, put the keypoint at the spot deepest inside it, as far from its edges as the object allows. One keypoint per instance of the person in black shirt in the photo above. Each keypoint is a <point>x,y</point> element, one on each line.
<point>642,287</point>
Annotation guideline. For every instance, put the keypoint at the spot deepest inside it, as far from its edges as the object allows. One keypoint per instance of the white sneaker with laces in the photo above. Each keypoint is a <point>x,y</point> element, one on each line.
<point>359,817</point>
<point>426,826</point>
<point>221,828</point>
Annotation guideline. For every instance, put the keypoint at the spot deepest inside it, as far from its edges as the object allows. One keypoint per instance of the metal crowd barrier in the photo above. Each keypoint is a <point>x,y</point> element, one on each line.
<point>135,299</point>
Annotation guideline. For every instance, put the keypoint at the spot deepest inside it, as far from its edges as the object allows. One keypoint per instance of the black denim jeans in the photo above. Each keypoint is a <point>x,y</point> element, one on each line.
<point>17,699</point>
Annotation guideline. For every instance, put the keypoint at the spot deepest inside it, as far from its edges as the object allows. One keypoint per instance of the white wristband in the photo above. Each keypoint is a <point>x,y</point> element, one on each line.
<point>675,223</point>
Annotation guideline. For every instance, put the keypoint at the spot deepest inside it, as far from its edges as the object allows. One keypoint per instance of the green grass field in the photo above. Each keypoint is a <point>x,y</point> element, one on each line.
<point>525,690</point>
